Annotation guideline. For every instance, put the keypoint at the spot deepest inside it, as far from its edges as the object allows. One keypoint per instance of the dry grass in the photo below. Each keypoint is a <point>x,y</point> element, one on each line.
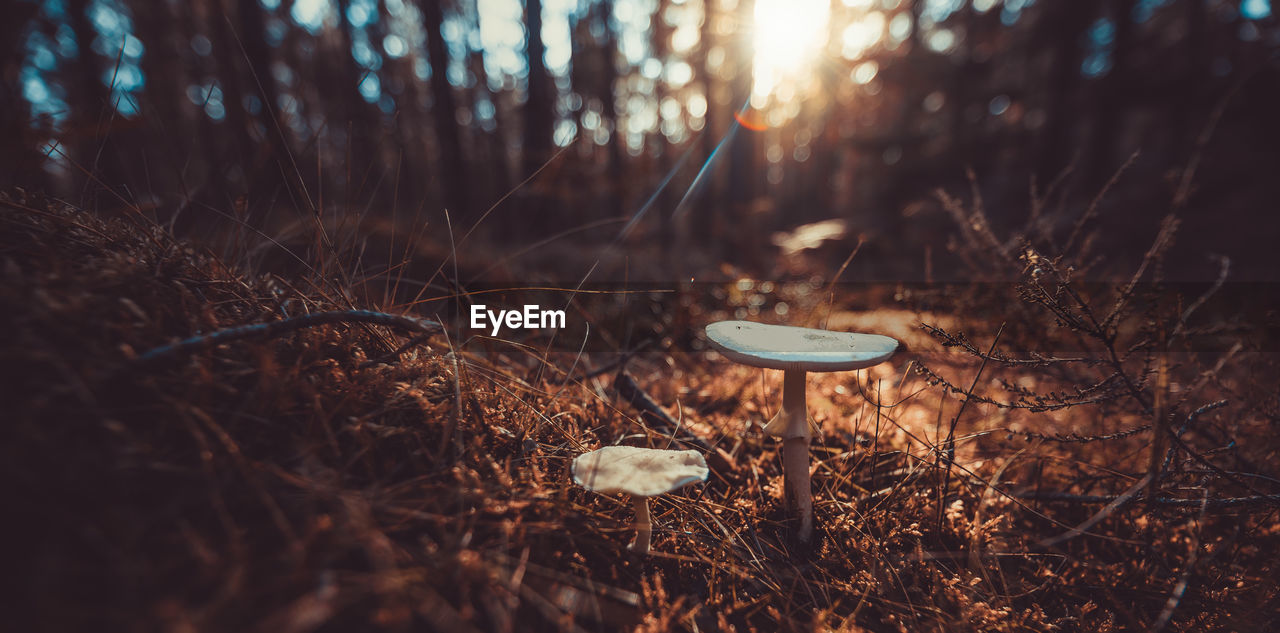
<point>290,485</point>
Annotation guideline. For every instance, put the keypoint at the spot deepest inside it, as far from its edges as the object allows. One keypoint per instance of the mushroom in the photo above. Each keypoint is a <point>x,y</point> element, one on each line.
<point>796,351</point>
<point>641,473</point>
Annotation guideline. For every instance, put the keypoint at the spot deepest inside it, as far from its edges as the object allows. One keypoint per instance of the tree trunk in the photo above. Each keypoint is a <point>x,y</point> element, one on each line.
<point>20,161</point>
<point>538,108</point>
<point>1065,23</point>
<point>538,115</point>
<point>744,172</point>
<point>1110,99</point>
<point>492,152</point>
<point>226,50</point>
<point>453,164</point>
<point>358,117</point>
<point>92,111</point>
<point>710,201</point>
<point>660,37</point>
<point>257,54</point>
<point>617,184</point>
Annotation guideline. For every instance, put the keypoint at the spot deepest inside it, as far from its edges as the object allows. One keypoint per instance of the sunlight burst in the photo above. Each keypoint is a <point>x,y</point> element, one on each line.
<point>789,36</point>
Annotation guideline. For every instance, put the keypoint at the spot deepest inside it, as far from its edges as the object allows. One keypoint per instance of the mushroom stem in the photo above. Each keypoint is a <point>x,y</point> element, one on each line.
<point>795,451</point>
<point>643,525</point>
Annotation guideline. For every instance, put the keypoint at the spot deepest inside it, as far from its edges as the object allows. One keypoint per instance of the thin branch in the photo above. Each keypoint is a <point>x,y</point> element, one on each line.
<point>950,444</point>
<point>1226,502</point>
<point>276,328</point>
<point>1114,503</point>
<point>1073,438</point>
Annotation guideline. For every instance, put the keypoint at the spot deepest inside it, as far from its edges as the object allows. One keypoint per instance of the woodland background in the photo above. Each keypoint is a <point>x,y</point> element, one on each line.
<point>253,115</point>
<point>1066,211</point>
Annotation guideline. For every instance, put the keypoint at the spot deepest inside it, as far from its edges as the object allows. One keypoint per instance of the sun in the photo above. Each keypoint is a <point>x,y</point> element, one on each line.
<point>789,35</point>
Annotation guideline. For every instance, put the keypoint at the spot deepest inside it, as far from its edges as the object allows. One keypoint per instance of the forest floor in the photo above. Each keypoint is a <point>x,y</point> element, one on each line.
<point>310,480</point>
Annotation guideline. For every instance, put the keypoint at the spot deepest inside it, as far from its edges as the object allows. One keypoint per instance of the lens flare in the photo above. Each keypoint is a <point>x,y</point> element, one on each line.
<point>751,119</point>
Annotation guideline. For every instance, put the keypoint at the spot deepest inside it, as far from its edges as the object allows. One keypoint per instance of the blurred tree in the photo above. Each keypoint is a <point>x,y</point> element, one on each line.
<point>165,93</point>
<point>452,160</point>
<point>743,149</point>
<point>710,195</point>
<point>254,39</point>
<point>1186,94</point>
<point>492,151</point>
<point>388,106</point>
<point>20,162</point>
<point>1064,26</point>
<point>1113,94</point>
<point>539,119</point>
<point>92,112</point>
<point>661,150</point>
<point>231,74</point>
<point>608,103</point>
<point>357,117</point>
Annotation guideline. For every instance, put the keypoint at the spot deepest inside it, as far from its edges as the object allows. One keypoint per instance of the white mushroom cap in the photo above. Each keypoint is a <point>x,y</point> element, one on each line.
<point>644,472</point>
<point>798,348</point>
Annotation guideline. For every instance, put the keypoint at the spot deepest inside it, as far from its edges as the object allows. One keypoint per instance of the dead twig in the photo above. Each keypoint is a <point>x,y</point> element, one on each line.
<point>650,412</point>
<point>276,328</point>
<point>1180,589</point>
<point>1225,502</point>
<point>621,361</point>
<point>1115,504</point>
<point>949,446</point>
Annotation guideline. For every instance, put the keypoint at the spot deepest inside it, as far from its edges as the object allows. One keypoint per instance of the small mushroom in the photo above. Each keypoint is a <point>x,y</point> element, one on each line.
<point>641,473</point>
<point>796,351</point>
